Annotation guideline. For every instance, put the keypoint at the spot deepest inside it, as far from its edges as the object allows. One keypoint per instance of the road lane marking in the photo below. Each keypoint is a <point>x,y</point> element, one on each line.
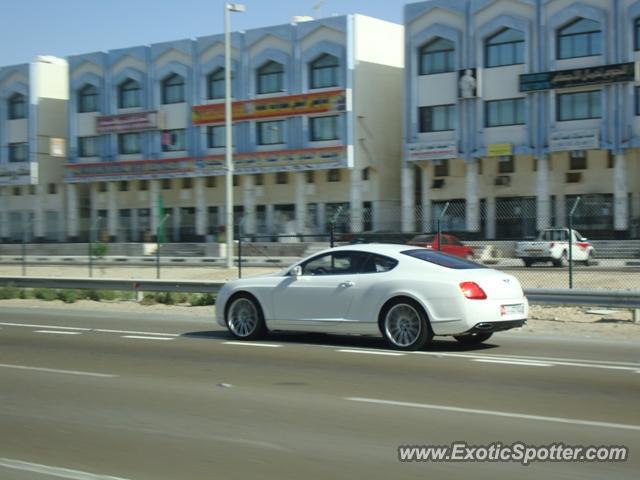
<point>522,416</point>
<point>53,471</point>
<point>63,332</point>
<point>512,362</point>
<point>53,370</point>
<point>27,325</point>
<point>247,344</point>
<point>140,337</point>
<point>84,329</point>
<point>129,332</point>
<point>372,352</point>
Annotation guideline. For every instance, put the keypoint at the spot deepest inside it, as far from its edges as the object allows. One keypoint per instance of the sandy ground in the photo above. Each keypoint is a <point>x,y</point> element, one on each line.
<point>543,320</point>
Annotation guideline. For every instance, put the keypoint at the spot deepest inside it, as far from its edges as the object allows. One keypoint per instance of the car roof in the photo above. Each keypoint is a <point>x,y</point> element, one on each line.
<point>381,248</point>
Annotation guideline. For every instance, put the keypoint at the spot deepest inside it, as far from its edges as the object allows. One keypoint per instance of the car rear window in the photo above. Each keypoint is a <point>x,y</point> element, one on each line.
<point>442,259</point>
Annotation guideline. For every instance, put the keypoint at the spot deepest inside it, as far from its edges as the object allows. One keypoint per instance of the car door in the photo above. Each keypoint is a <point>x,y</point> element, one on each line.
<point>322,294</point>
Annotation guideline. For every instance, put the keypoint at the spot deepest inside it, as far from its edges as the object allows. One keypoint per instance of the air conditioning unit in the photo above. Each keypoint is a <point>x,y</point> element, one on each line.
<point>437,183</point>
<point>502,181</point>
<point>574,177</point>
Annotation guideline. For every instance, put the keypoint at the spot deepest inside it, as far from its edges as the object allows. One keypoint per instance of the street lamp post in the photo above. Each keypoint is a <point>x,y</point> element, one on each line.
<point>228,7</point>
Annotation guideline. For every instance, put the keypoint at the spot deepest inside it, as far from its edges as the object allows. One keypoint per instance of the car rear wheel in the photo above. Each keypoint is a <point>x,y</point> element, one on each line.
<point>589,260</point>
<point>405,325</point>
<point>473,338</point>
<point>563,261</point>
<point>527,262</point>
<point>244,317</point>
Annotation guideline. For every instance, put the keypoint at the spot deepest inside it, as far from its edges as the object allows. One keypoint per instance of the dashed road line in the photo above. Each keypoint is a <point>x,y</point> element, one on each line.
<point>371,352</point>
<point>248,344</point>
<point>55,370</point>
<point>59,332</point>
<point>53,471</point>
<point>511,362</point>
<point>141,337</point>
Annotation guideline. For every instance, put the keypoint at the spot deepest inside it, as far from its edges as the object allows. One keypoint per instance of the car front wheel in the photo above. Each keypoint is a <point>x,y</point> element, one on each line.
<point>473,338</point>
<point>405,325</point>
<point>244,317</point>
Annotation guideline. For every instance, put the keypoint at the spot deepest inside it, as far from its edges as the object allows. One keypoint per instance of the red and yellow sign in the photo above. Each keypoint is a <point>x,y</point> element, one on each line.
<point>303,104</point>
<point>129,170</point>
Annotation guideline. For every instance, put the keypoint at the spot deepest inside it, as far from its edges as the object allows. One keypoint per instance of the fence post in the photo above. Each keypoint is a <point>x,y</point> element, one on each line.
<point>160,225</point>
<point>444,210</point>
<point>240,249</point>
<point>573,209</point>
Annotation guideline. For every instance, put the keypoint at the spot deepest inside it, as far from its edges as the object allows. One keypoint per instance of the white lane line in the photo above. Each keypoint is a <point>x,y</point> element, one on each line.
<point>53,370</point>
<point>140,337</point>
<point>53,471</point>
<point>372,352</point>
<point>84,329</point>
<point>63,332</point>
<point>511,362</point>
<point>522,416</point>
<point>247,344</point>
<point>27,325</point>
<point>129,332</point>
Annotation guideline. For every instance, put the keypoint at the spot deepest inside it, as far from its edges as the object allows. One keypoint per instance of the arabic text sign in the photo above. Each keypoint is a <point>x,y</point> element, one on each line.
<point>574,140</point>
<point>432,150</point>
<point>166,168</point>
<point>127,122</point>
<point>317,102</point>
<point>19,173</point>
<point>621,72</point>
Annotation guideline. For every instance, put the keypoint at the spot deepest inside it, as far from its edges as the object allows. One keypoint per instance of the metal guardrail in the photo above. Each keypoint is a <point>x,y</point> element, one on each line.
<point>608,298</point>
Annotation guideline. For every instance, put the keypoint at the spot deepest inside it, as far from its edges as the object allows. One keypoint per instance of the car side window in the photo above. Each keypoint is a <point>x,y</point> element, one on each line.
<point>383,264</point>
<point>335,263</point>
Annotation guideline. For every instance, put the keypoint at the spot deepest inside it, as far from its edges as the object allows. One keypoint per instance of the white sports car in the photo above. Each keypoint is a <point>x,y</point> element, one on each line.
<point>405,293</point>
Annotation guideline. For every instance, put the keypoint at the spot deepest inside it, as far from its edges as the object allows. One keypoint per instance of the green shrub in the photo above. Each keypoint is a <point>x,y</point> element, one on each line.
<point>9,292</point>
<point>47,294</point>
<point>91,295</point>
<point>67,296</point>
<point>99,250</point>
<point>202,299</point>
<point>149,298</point>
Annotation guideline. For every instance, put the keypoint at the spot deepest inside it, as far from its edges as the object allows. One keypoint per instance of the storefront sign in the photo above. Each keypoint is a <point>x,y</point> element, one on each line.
<point>432,150</point>
<point>579,77</point>
<point>279,161</point>
<point>499,150</point>
<point>128,122</point>
<point>308,103</point>
<point>128,170</point>
<point>574,140</point>
<point>22,173</point>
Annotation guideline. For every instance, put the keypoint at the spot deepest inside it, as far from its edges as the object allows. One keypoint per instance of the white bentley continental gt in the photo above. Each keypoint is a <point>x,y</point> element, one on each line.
<point>404,293</point>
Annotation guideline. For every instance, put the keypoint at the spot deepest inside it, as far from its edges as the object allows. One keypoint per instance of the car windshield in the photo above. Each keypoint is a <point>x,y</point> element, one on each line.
<point>422,239</point>
<point>442,259</point>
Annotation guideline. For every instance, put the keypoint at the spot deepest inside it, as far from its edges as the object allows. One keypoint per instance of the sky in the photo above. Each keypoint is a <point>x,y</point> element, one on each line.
<point>68,27</point>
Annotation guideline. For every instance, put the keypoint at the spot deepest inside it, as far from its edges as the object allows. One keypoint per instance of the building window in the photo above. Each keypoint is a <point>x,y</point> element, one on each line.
<point>636,30</point>
<point>123,186</point>
<point>282,178</point>
<point>216,136</point>
<point>102,187</point>
<point>88,99</point>
<point>324,71</point>
<point>52,188</point>
<point>504,112</point>
<point>581,38</point>
<point>333,175</point>
<point>310,176</point>
<point>211,182</point>
<point>271,78</point>
<point>324,128</point>
<point>235,180</point>
<point>128,143</point>
<point>166,184</point>
<point>17,191</point>
<point>506,164</point>
<point>88,146</point>
<point>173,140</point>
<point>270,133</point>
<point>610,159</point>
<point>187,183</point>
<point>637,90</point>
<point>577,160</point>
<point>258,179</point>
<point>129,94</point>
<point>216,85</point>
<point>504,48</point>
<point>32,190</point>
<point>143,185</point>
<point>18,152</point>
<point>173,89</point>
<point>436,119</point>
<point>366,173</point>
<point>17,107</point>
<point>579,105</point>
<point>437,56</point>
<point>441,168</point>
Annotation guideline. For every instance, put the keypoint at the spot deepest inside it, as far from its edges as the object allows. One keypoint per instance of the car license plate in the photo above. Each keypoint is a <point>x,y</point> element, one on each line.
<point>517,309</point>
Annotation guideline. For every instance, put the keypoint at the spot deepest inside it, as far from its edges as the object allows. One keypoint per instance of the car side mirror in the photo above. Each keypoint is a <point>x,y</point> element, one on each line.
<point>296,271</point>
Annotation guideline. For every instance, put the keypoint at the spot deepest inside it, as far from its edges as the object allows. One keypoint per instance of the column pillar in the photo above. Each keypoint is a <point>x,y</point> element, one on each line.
<point>543,199</point>
<point>301,205</point>
<point>175,223</point>
<point>490,226</point>
<point>472,202</point>
<point>269,214</point>
<point>201,207</point>
<point>72,211</point>
<point>322,218</point>
<point>561,211</point>
<point>407,181</point>
<point>136,235</point>
<point>154,207</point>
<point>38,212</point>
<point>112,212</point>
<point>94,229</point>
<point>355,202</point>
<point>249,201</point>
<point>620,194</point>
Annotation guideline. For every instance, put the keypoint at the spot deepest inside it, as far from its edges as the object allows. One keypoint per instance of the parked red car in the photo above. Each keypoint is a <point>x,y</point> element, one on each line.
<point>450,244</point>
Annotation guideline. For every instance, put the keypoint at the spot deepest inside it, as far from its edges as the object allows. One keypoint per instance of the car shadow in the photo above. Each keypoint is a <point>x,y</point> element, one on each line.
<point>341,341</point>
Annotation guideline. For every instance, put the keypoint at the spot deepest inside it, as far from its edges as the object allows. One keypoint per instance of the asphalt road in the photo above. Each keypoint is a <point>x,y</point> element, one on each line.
<point>90,395</point>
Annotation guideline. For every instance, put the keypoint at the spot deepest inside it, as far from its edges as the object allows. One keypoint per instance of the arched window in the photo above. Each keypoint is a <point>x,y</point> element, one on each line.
<point>173,89</point>
<point>270,78</point>
<point>580,38</point>
<point>215,84</point>
<point>129,94</point>
<point>17,107</point>
<point>324,71</point>
<point>88,99</point>
<point>437,56</point>
<point>504,48</point>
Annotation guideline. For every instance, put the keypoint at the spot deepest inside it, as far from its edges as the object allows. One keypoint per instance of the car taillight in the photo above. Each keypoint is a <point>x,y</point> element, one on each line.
<point>472,291</point>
